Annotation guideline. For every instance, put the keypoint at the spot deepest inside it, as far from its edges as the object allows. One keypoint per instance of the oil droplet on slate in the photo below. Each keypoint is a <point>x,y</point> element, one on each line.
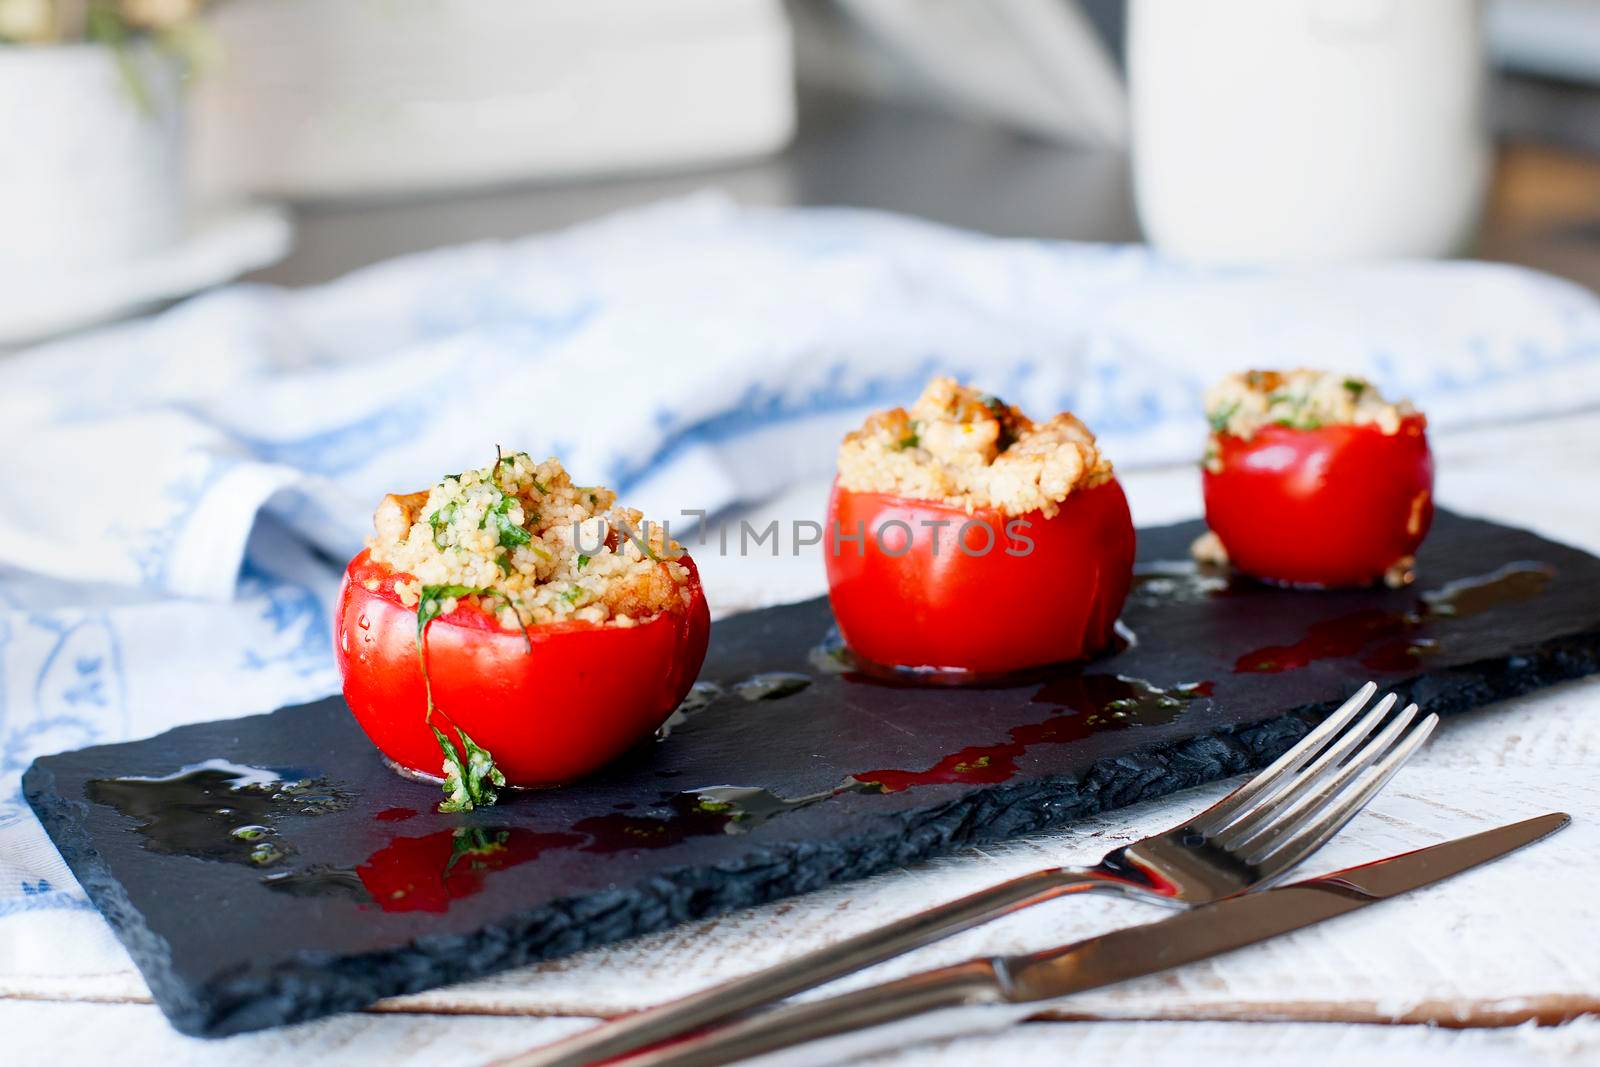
<point>1178,582</point>
<point>771,685</point>
<point>701,696</point>
<point>832,656</point>
<point>216,810</point>
<point>1403,646</point>
<point>711,810</point>
<point>1101,702</point>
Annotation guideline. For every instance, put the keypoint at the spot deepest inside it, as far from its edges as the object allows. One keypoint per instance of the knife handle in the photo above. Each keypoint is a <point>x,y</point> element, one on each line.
<point>698,1010</point>
<point>963,999</point>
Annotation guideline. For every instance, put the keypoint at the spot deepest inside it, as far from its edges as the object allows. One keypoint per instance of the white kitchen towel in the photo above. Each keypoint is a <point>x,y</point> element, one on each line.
<point>178,495</point>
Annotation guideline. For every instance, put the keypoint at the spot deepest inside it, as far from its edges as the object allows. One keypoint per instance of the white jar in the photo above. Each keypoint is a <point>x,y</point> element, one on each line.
<point>91,171</point>
<point>1297,131</point>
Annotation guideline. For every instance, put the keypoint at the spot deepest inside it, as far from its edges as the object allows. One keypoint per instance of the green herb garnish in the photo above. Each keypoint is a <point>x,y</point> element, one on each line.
<point>439,520</point>
<point>583,561</point>
<point>1219,418</point>
<point>1355,387</point>
<point>1002,414</point>
<point>511,535</point>
<point>430,603</point>
<point>470,776</point>
<point>571,595</point>
<point>639,542</point>
<point>1297,416</point>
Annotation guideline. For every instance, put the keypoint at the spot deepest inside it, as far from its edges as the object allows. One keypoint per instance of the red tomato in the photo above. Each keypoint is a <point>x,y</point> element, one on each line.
<point>980,592</point>
<point>578,700</point>
<point>1334,506</point>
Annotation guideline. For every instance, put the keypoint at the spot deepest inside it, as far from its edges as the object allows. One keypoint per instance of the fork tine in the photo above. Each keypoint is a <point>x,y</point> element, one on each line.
<point>1314,836</point>
<point>1285,820</point>
<point>1292,790</point>
<point>1298,815</point>
<point>1224,810</point>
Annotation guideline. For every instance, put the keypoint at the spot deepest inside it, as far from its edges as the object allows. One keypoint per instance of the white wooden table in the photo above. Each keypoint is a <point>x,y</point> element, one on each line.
<point>1502,965</point>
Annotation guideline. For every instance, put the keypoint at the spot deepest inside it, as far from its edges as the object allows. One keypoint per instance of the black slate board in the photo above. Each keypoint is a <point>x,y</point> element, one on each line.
<point>386,896</point>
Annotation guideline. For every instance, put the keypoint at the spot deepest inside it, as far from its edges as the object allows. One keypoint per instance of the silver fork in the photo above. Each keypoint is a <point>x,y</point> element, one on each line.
<point>1248,840</point>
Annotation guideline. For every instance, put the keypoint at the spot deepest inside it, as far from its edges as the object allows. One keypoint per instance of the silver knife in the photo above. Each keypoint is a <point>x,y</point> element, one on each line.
<point>990,994</point>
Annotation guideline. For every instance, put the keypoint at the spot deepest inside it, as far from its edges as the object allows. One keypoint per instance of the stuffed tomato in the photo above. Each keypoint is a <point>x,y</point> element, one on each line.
<point>1314,479</point>
<point>510,628</point>
<point>963,537</point>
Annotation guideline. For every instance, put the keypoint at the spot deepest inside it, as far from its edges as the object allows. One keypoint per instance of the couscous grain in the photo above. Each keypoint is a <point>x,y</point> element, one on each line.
<point>532,547</point>
<point>967,449</point>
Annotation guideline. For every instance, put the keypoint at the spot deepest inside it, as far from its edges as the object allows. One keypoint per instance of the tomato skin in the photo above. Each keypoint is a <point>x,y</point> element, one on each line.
<point>1333,506</point>
<point>584,694</point>
<point>987,613</point>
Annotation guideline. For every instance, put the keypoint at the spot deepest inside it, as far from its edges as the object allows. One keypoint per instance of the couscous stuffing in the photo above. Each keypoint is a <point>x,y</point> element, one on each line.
<point>1241,404</point>
<point>970,450</point>
<point>532,547</point>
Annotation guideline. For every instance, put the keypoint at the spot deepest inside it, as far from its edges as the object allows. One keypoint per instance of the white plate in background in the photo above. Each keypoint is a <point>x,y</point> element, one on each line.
<point>221,245</point>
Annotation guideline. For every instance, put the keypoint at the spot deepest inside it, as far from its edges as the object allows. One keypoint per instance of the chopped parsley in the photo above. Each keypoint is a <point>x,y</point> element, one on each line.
<point>583,561</point>
<point>1002,414</point>
<point>1220,418</point>
<point>639,541</point>
<point>470,776</point>
<point>511,535</point>
<point>1355,387</point>
<point>431,601</point>
<point>439,520</point>
<point>1296,412</point>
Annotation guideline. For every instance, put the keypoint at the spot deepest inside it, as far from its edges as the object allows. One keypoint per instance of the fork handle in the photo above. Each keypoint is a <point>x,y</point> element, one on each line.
<point>960,1000</point>
<point>675,1018</point>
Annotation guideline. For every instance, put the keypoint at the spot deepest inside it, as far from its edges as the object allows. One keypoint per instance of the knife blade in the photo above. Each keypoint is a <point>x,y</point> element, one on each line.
<point>1239,921</point>
<point>990,994</point>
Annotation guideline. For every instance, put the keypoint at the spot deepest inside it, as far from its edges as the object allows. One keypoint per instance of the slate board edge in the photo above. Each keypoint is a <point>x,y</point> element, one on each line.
<point>319,985</point>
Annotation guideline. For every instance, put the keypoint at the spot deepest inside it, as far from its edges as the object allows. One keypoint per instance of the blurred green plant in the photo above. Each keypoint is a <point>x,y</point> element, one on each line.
<point>106,21</point>
<point>172,25</point>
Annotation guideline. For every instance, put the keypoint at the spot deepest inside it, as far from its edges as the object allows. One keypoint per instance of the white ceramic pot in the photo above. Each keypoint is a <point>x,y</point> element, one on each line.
<point>1296,131</point>
<point>88,175</point>
<point>317,98</point>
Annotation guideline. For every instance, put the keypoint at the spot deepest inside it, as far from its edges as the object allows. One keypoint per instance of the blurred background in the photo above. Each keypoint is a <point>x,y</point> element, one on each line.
<point>153,148</point>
